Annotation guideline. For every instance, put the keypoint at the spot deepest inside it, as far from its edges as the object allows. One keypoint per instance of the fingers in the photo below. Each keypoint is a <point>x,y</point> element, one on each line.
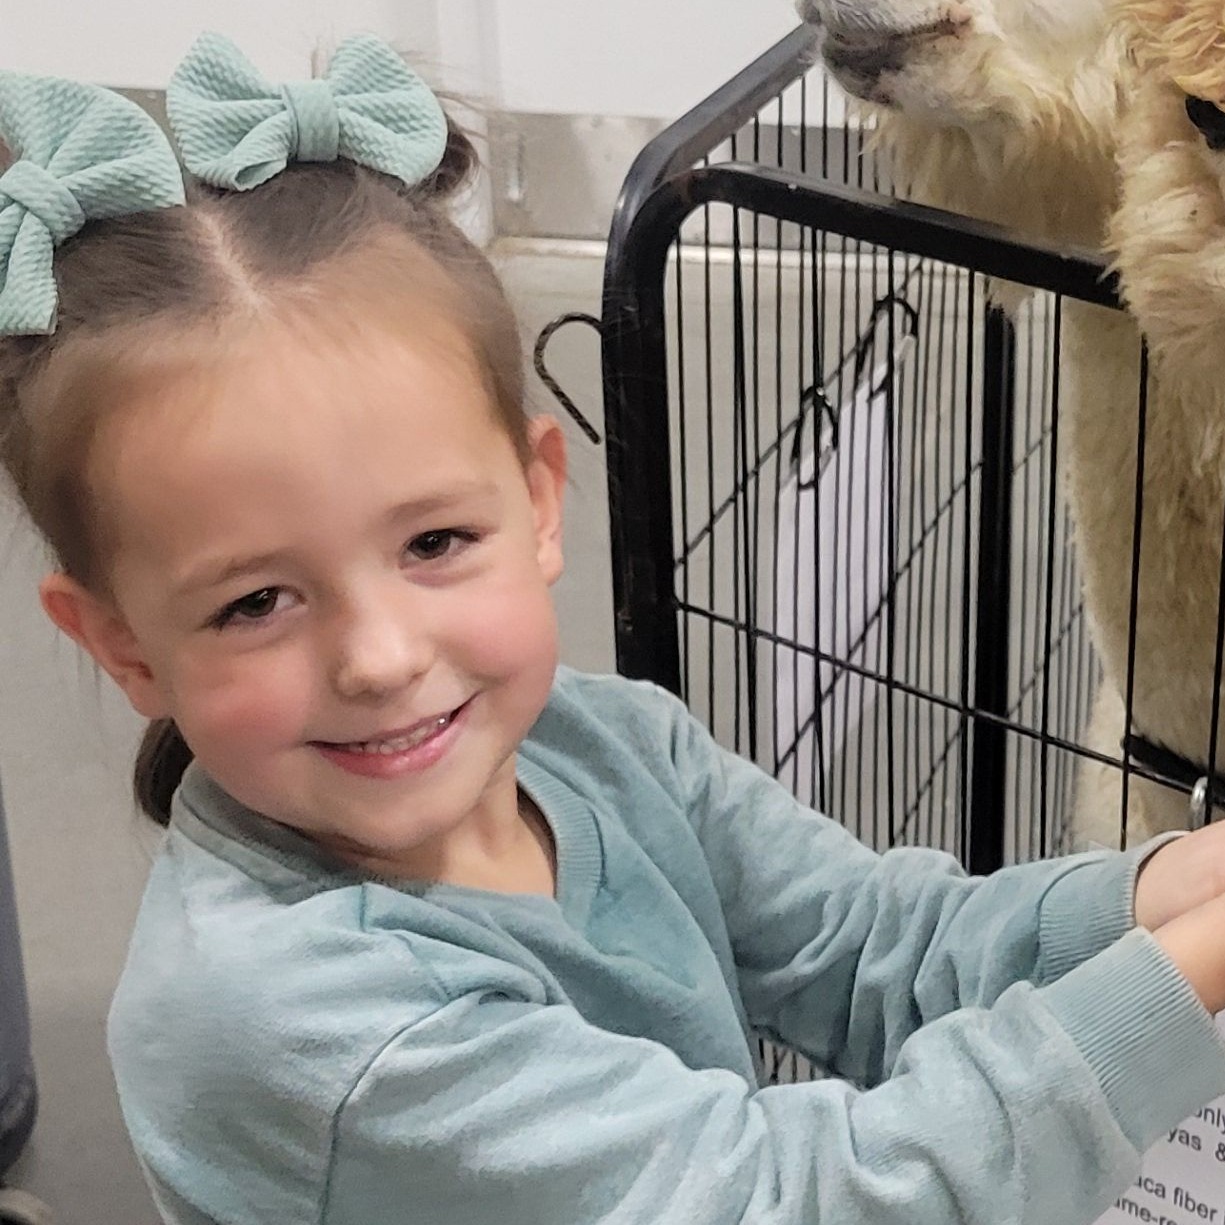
<point>1195,942</point>
<point>1180,876</point>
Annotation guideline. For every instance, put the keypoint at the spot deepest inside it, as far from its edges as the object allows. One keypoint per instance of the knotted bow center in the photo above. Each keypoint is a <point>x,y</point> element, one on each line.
<point>43,196</point>
<point>312,107</point>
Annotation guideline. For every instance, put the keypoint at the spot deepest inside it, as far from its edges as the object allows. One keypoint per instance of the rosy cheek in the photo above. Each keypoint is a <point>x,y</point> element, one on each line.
<point>521,602</point>
<point>238,703</point>
<point>522,623</point>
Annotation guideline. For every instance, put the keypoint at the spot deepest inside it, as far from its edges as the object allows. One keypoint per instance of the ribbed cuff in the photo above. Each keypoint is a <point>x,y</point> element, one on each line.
<point>1089,907</point>
<point>1152,1045</point>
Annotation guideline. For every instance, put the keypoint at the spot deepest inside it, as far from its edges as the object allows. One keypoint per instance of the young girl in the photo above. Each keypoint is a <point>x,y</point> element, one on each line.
<point>440,932</point>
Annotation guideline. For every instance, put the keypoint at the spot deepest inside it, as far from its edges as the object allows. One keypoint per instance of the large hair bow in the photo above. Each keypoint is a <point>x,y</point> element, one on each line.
<point>235,130</point>
<point>82,154</point>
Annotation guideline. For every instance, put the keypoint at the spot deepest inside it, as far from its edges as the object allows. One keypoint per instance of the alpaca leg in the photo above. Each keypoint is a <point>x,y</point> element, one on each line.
<point>1161,809</point>
<point>1097,819</point>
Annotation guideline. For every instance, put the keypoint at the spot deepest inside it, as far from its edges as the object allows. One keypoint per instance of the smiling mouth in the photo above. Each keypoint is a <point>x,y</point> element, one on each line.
<point>388,744</point>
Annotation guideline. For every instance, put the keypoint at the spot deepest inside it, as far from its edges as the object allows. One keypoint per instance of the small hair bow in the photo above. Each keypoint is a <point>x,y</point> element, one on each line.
<point>83,154</point>
<point>235,130</point>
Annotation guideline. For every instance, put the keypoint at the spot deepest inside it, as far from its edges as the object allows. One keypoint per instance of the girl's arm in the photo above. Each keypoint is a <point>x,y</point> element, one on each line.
<point>843,953</point>
<point>493,1111</point>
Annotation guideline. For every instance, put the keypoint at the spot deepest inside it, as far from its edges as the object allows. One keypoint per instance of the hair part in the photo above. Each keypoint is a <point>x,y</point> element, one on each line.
<point>150,297</point>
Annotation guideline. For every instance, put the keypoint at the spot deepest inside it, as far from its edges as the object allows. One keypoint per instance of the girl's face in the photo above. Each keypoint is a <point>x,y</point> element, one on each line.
<point>332,570</point>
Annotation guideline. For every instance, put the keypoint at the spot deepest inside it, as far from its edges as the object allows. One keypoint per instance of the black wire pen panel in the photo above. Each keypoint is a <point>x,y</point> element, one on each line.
<point>837,478</point>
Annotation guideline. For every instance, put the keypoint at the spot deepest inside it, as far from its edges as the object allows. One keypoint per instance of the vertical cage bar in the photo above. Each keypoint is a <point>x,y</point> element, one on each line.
<point>634,360</point>
<point>994,581</point>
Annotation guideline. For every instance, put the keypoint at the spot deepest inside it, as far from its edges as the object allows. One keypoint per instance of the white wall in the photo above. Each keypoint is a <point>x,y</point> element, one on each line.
<point>138,42</point>
<point>649,58</point>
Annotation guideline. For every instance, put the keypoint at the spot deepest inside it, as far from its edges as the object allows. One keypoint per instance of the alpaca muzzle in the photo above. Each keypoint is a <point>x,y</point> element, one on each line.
<point>860,51</point>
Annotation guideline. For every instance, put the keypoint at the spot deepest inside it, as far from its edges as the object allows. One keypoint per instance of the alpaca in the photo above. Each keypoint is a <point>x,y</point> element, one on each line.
<point>996,109</point>
<point>1007,112</point>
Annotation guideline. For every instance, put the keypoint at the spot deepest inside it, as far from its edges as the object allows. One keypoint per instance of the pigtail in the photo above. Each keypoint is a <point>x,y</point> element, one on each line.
<point>459,166</point>
<point>160,763</point>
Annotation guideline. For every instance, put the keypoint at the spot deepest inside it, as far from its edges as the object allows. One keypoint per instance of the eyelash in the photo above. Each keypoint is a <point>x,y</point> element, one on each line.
<point>232,614</point>
<point>450,534</point>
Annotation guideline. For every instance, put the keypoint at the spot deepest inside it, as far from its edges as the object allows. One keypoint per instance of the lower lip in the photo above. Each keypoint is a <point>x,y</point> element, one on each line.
<point>396,765</point>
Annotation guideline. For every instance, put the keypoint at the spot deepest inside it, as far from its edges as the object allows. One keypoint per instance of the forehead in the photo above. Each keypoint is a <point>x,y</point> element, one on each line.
<point>291,419</point>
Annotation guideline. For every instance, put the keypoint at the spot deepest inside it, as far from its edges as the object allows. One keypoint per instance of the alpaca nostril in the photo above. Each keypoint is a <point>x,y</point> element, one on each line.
<point>866,60</point>
<point>867,54</point>
<point>1209,119</point>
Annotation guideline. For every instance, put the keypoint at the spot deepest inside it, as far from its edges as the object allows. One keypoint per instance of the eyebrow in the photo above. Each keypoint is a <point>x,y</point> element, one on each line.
<point>432,504</point>
<point>212,574</point>
<point>217,573</point>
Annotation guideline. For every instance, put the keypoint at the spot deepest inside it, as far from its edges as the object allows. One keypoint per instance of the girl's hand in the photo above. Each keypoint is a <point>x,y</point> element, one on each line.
<point>1181,876</point>
<point>1195,942</point>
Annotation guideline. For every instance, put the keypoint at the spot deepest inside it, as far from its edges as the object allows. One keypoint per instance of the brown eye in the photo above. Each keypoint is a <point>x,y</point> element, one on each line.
<point>1209,119</point>
<point>257,604</point>
<point>430,545</point>
<point>254,607</point>
<point>434,546</point>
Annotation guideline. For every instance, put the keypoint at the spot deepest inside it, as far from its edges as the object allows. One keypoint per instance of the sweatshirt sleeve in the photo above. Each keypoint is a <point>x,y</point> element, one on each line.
<point>493,1111</point>
<point>841,952</point>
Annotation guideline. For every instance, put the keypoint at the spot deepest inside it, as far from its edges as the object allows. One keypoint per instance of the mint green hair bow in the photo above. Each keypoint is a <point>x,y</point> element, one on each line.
<point>236,131</point>
<point>82,154</point>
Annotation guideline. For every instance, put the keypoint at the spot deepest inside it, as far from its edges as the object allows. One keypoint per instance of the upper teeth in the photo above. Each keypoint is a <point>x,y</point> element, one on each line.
<point>401,743</point>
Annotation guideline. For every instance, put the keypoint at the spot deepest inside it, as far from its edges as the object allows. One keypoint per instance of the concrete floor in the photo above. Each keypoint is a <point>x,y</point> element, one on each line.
<point>80,854</point>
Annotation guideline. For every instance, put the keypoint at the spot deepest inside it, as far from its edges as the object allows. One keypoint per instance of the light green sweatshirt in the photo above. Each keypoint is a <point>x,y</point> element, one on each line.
<point>297,1044</point>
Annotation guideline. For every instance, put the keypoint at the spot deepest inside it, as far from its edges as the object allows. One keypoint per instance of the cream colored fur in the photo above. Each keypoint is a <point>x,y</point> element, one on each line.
<point>995,109</point>
<point>1100,376</point>
<point>1168,234</point>
<point>1008,110</point>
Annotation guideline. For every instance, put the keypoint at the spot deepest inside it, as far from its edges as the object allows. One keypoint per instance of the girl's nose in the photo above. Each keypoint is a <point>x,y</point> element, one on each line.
<point>380,649</point>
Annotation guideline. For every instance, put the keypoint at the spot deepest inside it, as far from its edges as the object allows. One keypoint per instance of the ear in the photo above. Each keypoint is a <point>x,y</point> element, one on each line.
<point>97,627</point>
<point>546,478</point>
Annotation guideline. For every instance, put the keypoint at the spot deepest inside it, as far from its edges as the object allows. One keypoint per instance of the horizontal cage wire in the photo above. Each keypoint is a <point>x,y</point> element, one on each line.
<point>827,472</point>
<point>839,486</point>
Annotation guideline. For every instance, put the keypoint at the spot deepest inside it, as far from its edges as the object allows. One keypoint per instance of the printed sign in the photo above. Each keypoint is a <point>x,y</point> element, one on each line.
<point>1182,1181</point>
